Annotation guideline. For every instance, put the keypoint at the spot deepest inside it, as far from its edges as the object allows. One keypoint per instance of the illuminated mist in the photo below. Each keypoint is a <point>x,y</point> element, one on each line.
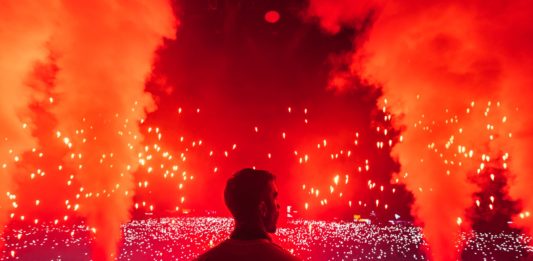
<point>443,67</point>
<point>442,99</point>
<point>19,52</point>
<point>102,65</point>
<point>511,42</point>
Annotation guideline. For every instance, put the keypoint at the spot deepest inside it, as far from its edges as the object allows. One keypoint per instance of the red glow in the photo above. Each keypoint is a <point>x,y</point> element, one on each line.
<point>105,115</point>
<point>272,16</point>
<point>446,68</point>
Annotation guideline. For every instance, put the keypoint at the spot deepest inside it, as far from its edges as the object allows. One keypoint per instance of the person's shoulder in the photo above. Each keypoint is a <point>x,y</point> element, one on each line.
<point>204,256</point>
<point>246,249</point>
<point>279,253</point>
<point>213,252</point>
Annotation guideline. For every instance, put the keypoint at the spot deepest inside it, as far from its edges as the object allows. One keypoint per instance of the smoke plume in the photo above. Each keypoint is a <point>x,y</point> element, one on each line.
<point>512,41</point>
<point>450,72</point>
<point>18,51</point>
<point>103,64</point>
<point>104,52</point>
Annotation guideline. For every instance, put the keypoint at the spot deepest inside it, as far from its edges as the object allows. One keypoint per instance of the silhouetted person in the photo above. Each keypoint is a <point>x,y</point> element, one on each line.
<point>251,196</point>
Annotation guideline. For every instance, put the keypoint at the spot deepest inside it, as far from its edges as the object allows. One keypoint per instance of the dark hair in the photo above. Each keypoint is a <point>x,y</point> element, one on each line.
<point>245,190</point>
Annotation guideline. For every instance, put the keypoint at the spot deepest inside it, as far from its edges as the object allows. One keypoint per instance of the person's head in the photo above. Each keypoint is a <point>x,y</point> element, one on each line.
<point>251,196</point>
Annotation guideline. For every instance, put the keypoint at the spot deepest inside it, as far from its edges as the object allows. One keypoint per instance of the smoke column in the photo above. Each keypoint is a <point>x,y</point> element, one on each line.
<point>105,52</point>
<point>443,67</point>
<point>513,42</point>
<point>18,53</point>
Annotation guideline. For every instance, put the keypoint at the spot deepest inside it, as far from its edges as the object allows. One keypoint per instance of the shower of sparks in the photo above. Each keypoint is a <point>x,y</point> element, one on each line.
<point>107,122</point>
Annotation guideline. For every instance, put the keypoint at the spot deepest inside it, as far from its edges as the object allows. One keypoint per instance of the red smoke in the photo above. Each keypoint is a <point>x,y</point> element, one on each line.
<point>512,41</point>
<point>104,52</point>
<point>19,52</point>
<point>453,74</point>
<point>103,64</point>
